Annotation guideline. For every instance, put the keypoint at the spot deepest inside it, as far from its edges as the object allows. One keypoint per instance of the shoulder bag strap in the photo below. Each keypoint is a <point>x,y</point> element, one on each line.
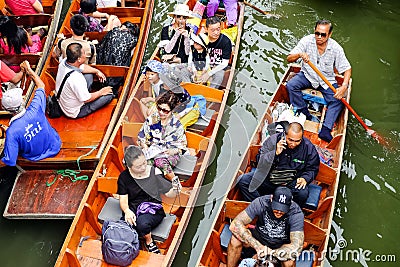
<point>62,84</point>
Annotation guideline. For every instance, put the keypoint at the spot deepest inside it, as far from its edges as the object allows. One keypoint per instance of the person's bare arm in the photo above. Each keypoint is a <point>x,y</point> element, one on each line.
<point>238,228</point>
<point>38,6</point>
<point>103,91</point>
<point>341,90</point>
<point>294,57</point>
<point>36,79</point>
<point>291,250</point>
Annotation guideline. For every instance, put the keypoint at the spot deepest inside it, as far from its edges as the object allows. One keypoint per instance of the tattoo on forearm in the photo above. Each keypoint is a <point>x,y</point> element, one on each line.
<point>242,233</point>
<point>291,250</point>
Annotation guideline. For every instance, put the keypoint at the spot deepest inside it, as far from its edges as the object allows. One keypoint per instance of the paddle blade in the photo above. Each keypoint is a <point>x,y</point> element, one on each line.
<point>379,138</point>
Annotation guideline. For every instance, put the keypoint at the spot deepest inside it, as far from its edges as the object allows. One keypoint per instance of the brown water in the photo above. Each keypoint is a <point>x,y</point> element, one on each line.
<point>367,208</point>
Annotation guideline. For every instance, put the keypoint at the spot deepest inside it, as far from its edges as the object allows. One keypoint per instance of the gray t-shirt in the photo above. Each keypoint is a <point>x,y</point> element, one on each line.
<point>269,230</point>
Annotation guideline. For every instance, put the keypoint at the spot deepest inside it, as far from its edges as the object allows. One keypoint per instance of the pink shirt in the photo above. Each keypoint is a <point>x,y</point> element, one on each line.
<point>6,74</point>
<point>21,7</point>
<point>37,44</point>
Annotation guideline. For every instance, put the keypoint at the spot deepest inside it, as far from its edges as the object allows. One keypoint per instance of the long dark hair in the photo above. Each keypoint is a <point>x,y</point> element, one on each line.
<point>16,36</point>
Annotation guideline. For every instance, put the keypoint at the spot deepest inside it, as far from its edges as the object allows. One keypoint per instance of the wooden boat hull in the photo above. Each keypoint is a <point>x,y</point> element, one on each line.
<point>83,140</point>
<point>110,166</point>
<point>52,8</point>
<point>317,223</point>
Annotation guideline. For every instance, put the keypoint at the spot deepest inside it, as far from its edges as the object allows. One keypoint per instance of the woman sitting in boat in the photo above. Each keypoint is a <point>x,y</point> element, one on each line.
<point>175,37</point>
<point>162,136</point>
<point>25,7</point>
<point>139,188</point>
<point>14,39</point>
<point>89,10</point>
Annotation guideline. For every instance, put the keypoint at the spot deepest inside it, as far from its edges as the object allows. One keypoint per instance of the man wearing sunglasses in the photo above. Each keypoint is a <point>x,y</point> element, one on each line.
<point>327,55</point>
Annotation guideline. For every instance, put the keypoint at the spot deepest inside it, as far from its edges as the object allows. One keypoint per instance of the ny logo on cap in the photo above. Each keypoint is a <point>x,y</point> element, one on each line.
<point>282,198</point>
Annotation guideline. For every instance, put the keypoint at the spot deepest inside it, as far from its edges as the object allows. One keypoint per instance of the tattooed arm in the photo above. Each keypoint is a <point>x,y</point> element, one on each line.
<point>238,228</point>
<point>292,250</point>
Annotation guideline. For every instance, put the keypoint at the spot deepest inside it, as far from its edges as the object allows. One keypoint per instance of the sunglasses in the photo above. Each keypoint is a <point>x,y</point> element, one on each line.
<point>322,34</point>
<point>180,17</point>
<point>165,111</point>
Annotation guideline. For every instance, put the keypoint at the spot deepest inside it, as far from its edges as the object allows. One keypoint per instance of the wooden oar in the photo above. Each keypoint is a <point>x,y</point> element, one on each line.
<point>371,132</point>
<point>260,10</point>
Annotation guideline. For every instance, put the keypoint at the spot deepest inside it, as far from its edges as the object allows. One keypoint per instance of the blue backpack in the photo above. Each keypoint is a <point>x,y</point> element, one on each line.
<point>120,243</point>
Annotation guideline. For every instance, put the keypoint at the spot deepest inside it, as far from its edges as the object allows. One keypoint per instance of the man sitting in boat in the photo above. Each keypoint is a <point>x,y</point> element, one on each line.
<point>78,24</point>
<point>219,50</point>
<point>75,100</point>
<point>29,135</point>
<point>327,55</point>
<point>286,158</point>
<point>139,189</point>
<point>278,234</point>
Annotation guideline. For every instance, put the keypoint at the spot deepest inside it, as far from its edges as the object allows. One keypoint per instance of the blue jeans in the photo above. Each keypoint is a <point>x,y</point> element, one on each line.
<point>89,108</point>
<point>267,188</point>
<point>300,82</point>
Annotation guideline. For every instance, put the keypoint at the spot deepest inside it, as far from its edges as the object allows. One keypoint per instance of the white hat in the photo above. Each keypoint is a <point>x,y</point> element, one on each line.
<point>12,99</point>
<point>181,9</point>
<point>201,39</point>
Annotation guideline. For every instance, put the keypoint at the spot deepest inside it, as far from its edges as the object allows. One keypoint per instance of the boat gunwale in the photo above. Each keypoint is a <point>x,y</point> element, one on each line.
<point>256,132</point>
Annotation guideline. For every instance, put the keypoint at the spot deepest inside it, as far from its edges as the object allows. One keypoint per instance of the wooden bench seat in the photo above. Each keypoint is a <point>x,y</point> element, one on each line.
<point>32,20</point>
<point>16,60</point>
<point>90,251</point>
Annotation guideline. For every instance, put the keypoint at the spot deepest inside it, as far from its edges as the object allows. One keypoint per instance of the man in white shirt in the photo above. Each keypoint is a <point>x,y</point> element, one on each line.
<point>75,99</point>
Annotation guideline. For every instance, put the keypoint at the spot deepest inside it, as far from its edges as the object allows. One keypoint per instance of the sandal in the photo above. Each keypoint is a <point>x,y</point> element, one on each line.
<point>152,247</point>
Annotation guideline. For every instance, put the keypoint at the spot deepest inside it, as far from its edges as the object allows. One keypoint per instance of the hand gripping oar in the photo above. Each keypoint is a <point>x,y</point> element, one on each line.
<point>371,132</point>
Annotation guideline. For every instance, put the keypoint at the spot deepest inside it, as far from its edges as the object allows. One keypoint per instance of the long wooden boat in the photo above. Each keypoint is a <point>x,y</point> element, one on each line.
<point>319,212</point>
<point>50,19</point>
<point>83,140</point>
<point>103,186</point>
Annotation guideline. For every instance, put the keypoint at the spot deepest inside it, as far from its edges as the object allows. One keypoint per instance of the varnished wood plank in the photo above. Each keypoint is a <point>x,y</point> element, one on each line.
<point>31,198</point>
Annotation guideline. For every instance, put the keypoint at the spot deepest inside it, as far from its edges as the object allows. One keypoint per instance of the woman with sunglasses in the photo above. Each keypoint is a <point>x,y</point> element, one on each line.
<point>162,136</point>
<point>175,37</point>
<point>327,55</point>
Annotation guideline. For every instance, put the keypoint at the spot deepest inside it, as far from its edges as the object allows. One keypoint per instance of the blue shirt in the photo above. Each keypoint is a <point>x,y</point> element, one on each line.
<point>30,134</point>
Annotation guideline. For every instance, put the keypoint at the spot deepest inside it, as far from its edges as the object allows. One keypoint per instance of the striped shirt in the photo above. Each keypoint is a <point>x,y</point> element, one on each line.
<point>333,57</point>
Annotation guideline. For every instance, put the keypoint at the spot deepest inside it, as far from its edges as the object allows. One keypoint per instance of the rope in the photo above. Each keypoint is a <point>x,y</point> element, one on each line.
<point>71,174</point>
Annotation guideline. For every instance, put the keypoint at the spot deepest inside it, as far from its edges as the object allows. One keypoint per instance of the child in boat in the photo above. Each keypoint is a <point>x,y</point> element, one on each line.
<point>88,8</point>
<point>199,60</point>
<point>152,71</point>
<point>37,45</point>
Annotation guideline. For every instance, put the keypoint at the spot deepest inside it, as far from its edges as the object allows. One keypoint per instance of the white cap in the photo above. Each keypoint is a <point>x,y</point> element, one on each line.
<point>12,99</point>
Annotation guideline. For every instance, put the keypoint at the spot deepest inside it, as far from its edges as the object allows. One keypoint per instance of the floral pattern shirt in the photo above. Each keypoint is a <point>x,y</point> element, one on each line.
<point>171,135</point>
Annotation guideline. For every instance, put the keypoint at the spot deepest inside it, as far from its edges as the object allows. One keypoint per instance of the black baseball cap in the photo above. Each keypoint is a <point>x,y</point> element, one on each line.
<point>282,199</point>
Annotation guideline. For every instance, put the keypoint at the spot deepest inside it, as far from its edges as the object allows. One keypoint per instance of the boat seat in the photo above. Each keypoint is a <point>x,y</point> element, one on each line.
<point>204,120</point>
<point>111,211</point>
<point>313,96</point>
<point>314,193</point>
<point>185,167</point>
<point>225,236</point>
<point>305,259</point>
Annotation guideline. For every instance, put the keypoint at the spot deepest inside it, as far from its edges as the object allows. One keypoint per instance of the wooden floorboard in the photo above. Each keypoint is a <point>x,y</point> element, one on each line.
<point>31,198</point>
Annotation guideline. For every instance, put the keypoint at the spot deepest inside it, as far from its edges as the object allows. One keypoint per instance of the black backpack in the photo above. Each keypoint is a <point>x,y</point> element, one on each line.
<point>120,243</point>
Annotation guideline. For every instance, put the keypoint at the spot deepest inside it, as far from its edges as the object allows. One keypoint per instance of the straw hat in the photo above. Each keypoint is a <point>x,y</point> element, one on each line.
<point>201,39</point>
<point>181,10</point>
